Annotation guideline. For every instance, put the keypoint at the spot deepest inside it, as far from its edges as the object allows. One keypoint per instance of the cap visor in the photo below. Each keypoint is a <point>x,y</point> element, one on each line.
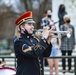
<point>30,21</point>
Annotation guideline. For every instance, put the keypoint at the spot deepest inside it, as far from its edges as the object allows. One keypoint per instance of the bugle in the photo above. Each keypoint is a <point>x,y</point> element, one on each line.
<point>68,32</point>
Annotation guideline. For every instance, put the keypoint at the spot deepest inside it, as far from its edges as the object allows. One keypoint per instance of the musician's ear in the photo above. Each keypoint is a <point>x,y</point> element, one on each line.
<point>22,27</point>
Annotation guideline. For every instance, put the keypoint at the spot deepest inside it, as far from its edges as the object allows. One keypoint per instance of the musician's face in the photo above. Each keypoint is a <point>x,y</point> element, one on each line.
<point>29,27</point>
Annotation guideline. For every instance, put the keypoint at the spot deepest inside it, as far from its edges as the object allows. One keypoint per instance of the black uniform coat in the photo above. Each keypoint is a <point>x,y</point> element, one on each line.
<point>29,53</point>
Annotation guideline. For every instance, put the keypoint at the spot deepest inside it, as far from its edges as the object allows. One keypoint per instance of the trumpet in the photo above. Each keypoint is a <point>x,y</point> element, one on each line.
<point>68,32</point>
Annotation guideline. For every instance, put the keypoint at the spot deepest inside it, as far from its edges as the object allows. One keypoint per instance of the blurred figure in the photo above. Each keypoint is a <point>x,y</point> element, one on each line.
<point>2,64</point>
<point>68,42</point>
<point>61,13</point>
<point>56,43</point>
<point>46,20</point>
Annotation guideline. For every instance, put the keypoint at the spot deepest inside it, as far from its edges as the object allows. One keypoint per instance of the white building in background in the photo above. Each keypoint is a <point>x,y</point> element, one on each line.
<point>70,8</point>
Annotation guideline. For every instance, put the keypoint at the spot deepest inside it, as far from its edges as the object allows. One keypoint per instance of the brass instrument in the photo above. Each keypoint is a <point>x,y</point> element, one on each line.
<point>68,32</point>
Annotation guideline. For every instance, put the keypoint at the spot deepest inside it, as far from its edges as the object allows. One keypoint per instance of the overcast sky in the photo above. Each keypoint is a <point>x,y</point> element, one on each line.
<point>16,4</point>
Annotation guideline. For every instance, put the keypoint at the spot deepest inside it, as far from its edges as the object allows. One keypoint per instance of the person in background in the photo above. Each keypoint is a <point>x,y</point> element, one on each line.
<point>61,13</point>
<point>56,43</point>
<point>47,21</point>
<point>28,50</point>
<point>2,64</point>
<point>68,42</point>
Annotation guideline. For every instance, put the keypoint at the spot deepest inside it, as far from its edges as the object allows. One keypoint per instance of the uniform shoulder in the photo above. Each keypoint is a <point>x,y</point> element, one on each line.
<point>17,40</point>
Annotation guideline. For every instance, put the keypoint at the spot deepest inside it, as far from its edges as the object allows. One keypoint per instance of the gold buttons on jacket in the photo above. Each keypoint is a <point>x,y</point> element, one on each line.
<point>33,44</point>
<point>40,65</point>
<point>27,36</point>
<point>39,60</point>
<point>31,40</point>
<point>40,68</point>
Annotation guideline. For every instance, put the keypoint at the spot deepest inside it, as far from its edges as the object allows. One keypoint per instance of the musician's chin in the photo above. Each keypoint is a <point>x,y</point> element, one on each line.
<point>30,32</point>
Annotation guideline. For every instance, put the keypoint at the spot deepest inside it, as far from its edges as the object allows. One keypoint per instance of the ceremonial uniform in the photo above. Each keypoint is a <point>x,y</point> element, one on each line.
<point>31,58</point>
<point>29,53</point>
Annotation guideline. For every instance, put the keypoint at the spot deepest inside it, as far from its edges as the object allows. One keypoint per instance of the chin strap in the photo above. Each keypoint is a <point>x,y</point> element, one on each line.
<point>26,32</point>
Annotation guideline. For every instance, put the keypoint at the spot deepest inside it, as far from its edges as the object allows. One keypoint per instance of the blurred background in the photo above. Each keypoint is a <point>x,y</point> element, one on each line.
<point>10,10</point>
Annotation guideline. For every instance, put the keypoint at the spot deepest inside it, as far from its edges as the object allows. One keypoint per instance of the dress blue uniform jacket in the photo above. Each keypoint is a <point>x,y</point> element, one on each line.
<point>29,53</point>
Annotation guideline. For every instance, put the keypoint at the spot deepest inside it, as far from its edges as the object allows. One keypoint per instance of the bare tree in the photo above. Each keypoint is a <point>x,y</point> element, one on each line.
<point>6,22</point>
<point>41,5</point>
